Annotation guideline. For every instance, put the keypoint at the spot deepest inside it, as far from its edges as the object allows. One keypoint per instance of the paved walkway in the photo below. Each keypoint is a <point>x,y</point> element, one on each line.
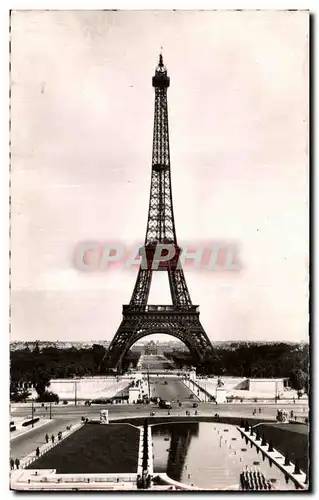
<point>30,480</point>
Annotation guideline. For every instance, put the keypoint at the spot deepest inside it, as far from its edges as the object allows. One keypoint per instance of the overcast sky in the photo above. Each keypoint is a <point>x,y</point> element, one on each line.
<point>82,124</point>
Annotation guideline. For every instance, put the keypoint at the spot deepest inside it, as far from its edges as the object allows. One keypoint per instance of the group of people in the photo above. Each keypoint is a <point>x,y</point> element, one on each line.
<point>188,413</point>
<point>254,480</point>
<point>143,481</point>
<point>47,438</point>
<point>14,463</point>
<point>255,411</point>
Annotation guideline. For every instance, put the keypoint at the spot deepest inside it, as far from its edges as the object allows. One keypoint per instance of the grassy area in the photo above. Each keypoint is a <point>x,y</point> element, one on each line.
<point>96,449</point>
<point>291,438</point>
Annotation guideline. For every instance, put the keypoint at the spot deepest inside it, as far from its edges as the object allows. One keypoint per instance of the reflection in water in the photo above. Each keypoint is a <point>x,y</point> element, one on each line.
<point>180,436</point>
<point>208,455</point>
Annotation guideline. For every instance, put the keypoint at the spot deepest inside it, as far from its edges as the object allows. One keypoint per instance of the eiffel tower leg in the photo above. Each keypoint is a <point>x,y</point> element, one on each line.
<point>119,346</point>
<point>198,337</point>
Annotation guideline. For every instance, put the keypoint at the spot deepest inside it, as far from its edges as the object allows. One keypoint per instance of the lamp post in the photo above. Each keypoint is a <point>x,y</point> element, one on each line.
<point>148,382</point>
<point>32,411</point>
<point>50,410</point>
<point>75,392</point>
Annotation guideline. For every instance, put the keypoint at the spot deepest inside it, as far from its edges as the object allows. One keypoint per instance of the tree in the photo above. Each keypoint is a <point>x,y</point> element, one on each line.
<point>42,382</point>
<point>298,379</point>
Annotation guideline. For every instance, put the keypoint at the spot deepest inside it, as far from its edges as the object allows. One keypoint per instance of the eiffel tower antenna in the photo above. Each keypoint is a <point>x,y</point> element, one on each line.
<point>181,319</point>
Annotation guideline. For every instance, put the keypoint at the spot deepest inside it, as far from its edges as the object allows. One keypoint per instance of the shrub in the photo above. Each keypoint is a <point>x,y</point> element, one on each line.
<point>270,446</point>
<point>12,428</point>
<point>100,401</point>
<point>297,469</point>
<point>48,397</point>
<point>20,397</point>
<point>29,422</point>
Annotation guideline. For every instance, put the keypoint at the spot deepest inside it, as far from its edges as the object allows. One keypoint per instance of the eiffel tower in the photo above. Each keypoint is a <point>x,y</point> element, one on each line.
<point>160,253</point>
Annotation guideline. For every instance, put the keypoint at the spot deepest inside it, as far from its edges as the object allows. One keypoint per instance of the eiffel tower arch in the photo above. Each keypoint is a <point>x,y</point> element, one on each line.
<point>160,253</point>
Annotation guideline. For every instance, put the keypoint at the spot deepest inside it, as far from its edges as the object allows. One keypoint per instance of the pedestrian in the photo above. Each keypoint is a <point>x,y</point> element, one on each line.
<point>259,410</point>
<point>17,462</point>
<point>52,438</point>
<point>11,463</point>
<point>47,438</point>
<point>37,452</point>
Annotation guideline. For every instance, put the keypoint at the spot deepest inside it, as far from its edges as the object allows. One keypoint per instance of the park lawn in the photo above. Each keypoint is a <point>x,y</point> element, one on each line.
<point>291,439</point>
<point>98,449</point>
<point>301,428</point>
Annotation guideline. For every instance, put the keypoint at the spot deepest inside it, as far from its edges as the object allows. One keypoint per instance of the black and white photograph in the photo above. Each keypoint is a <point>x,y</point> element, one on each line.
<point>159,250</point>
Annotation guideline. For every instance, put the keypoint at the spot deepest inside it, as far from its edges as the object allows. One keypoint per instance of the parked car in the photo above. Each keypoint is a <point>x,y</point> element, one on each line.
<point>165,404</point>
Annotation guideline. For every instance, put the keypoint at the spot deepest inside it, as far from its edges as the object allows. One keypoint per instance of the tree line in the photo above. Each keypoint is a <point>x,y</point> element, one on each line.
<point>277,360</point>
<point>37,367</point>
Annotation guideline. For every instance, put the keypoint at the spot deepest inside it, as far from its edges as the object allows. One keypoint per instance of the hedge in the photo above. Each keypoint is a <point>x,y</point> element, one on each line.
<point>29,422</point>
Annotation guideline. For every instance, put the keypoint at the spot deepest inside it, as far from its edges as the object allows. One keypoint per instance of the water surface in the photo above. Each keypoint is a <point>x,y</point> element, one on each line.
<point>208,455</point>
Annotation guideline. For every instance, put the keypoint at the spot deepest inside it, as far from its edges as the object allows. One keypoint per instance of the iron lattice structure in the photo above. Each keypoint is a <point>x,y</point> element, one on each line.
<point>181,319</point>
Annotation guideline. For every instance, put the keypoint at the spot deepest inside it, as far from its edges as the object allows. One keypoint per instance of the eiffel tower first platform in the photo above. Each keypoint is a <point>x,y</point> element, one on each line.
<point>181,319</point>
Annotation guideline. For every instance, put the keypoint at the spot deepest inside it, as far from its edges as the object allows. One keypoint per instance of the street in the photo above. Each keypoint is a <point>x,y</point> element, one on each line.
<point>27,443</point>
<point>155,362</point>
